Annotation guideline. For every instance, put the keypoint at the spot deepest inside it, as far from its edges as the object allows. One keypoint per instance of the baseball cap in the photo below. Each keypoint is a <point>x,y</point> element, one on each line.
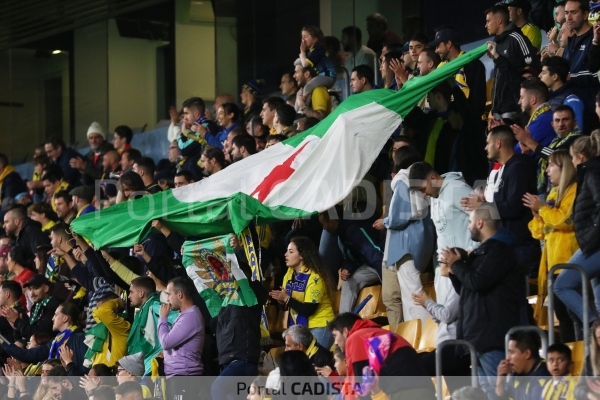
<point>444,35</point>
<point>522,4</point>
<point>85,192</point>
<point>4,250</point>
<point>37,281</point>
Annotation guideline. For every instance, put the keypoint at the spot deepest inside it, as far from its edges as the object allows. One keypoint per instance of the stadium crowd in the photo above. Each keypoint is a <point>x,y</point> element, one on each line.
<point>490,189</point>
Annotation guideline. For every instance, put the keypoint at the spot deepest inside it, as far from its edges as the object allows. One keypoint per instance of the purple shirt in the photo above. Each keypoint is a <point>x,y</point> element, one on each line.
<point>182,344</point>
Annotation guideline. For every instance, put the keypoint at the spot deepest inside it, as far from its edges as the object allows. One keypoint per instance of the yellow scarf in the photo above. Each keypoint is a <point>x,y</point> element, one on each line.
<point>432,141</point>
<point>9,169</point>
<point>312,349</point>
<point>542,108</point>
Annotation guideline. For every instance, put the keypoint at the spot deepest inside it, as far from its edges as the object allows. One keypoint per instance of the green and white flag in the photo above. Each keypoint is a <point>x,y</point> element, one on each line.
<point>214,268</point>
<point>308,173</point>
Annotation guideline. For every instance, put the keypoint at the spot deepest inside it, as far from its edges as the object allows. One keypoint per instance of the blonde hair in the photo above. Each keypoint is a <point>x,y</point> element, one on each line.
<point>587,146</point>
<point>568,173</point>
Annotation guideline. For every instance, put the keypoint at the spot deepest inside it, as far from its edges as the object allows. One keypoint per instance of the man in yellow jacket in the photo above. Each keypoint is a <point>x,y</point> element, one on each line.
<point>107,341</point>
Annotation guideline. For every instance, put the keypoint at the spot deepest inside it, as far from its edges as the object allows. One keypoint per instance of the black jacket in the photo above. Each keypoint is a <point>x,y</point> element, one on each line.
<point>475,77</point>
<point>70,174</point>
<point>586,213</point>
<point>31,236</point>
<point>237,329</point>
<point>490,285</point>
<point>93,170</point>
<point>42,325</point>
<point>519,177</point>
<point>516,53</point>
<point>7,330</point>
<point>11,186</point>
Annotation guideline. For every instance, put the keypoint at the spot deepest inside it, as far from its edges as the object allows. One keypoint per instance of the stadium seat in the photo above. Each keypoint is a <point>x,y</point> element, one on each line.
<point>577,354</point>
<point>374,307</point>
<point>429,290</point>
<point>386,327</point>
<point>335,301</point>
<point>411,331</point>
<point>427,341</point>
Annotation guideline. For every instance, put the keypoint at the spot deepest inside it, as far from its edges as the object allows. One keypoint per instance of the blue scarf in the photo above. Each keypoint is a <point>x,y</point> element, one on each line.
<point>59,340</point>
<point>297,283</point>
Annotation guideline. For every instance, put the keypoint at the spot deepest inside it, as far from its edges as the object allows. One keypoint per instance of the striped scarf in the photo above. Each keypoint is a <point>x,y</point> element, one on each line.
<point>101,288</point>
<point>37,310</point>
<point>543,183</point>
<point>542,108</point>
<point>295,287</point>
<point>59,340</point>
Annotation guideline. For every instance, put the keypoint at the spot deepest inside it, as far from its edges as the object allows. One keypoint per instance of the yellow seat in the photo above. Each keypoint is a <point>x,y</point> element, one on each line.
<point>335,301</point>
<point>427,341</point>
<point>374,307</point>
<point>577,356</point>
<point>429,290</point>
<point>386,327</point>
<point>411,331</point>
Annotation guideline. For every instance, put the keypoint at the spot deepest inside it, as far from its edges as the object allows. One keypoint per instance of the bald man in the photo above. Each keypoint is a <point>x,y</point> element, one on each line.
<point>111,163</point>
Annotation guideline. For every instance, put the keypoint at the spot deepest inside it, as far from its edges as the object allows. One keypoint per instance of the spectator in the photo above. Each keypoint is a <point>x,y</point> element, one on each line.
<point>362,256</point>
<point>317,103</point>
<point>182,341</point>
<point>523,361</point>
<point>491,289</point>
<point>91,167</point>
<point>220,100</point>
<point>351,334</point>
<point>173,153</point>
<point>11,183</point>
<point>35,185</point>
<point>110,333</point>
<point>68,343</point>
<point>274,139</point>
<point>11,293</point>
<point>260,142</point>
<point>512,54</point>
<point>449,217</point>
<point>61,155</point>
<point>63,203</point>
<point>511,177</point>
<point>194,118</point>
<point>268,111</point>
<point>122,138</point>
<point>130,368</point>
<point>128,157</point>
<point>251,94</point>
<point>358,53</point>
<point>145,168</point>
<point>43,213</point>
<point>306,289</point>
<point>557,47</point>
<point>427,62</point>
<point>299,337</point>
<point>534,102</point>
<point>183,178</point>
<point>28,233</point>
<point>83,197</point>
<point>584,152</point>
<point>416,45</point>
<point>288,85</point>
<point>470,78</point>
<point>111,163</point>
<point>555,73</point>
<point>213,161</point>
<point>129,391</point>
<point>283,121</point>
<point>334,50</point>
<point>362,79</point>
<point>102,392</point>
<point>53,183</point>
<point>565,126</point>
<point>563,383</point>
<point>553,224</point>
<point>409,242</point>
<point>518,13</point>
<point>313,54</point>
<point>227,116</point>
<point>390,80</point>
<point>20,264</point>
<point>61,387</point>
<point>242,146</point>
<point>379,34</point>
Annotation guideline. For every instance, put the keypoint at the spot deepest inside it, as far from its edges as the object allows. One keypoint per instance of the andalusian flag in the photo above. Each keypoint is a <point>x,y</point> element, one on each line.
<point>305,174</point>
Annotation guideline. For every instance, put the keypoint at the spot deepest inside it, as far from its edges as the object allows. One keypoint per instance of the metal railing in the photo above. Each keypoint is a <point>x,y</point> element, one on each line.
<point>536,329</point>
<point>438,364</point>
<point>584,294</point>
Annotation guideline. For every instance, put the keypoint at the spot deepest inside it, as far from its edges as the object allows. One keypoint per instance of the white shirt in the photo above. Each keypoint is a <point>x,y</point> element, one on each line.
<point>364,56</point>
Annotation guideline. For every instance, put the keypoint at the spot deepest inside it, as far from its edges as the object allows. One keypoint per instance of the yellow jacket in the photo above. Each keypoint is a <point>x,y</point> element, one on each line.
<point>555,227</point>
<point>118,329</point>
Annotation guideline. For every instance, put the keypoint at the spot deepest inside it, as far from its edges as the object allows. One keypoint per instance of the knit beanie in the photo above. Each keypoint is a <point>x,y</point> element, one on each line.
<point>134,364</point>
<point>254,87</point>
<point>95,127</point>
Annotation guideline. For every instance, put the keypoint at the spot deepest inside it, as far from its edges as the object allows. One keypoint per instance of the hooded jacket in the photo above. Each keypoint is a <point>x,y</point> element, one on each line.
<point>586,213</point>
<point>516,53</point>
<point>410,231</point>
<point>490,287</point>
<point>402,361</point>
<point>31,236</point>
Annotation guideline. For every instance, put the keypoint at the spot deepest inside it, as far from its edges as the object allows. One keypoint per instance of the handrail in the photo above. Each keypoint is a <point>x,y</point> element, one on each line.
<point>531,328</point>
<point>438,364</point>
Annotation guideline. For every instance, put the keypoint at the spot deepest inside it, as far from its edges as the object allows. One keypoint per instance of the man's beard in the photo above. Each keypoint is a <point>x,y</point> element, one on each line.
<point>475,235</point>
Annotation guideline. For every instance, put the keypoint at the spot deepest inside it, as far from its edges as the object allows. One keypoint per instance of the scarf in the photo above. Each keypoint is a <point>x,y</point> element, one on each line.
<point>9,169</point>
<point>33,369</point>
<point>295,287</point>
<point>94,340</point>
<point>37,310</point>
<point>564,389</point>
<point>418,207</point>
<point>542,179</point>
<point>312,349</point>
<point>542,108</point>
<point>59,340</point>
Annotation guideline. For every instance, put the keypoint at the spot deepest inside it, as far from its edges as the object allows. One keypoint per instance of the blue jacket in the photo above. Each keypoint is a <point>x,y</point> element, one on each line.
<point>541,130</point>
<point>578,53</point>
<point>70,174</point>
<point>408,236</point>
<point>360,243</point>
<point>529,385</point>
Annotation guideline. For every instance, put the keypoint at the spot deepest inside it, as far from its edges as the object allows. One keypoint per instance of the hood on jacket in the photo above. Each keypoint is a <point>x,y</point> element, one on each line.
<point>505,236</point>
<point>449,177</point>
<point>507,31</point>
<point>30,223</point>
<point>363,324</point>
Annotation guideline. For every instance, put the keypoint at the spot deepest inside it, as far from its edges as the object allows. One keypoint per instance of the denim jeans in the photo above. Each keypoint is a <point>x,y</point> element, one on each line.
<point>323,336</point>
<point>488,371</point>
<point>568,284</point>
<point>226,384</point>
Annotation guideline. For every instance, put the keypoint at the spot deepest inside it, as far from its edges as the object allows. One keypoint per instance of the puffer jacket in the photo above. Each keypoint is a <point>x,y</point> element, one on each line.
<point>586,213</point>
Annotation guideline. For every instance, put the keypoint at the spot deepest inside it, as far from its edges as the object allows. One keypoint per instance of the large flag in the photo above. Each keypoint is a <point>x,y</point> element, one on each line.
<point>307,173</point>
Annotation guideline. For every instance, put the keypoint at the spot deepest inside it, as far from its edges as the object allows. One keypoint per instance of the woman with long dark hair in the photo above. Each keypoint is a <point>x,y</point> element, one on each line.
<point>306,290</point>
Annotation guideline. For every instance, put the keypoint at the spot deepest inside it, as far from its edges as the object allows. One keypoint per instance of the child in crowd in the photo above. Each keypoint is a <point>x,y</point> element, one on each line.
<point>313,54</point>
<point>562,385</point>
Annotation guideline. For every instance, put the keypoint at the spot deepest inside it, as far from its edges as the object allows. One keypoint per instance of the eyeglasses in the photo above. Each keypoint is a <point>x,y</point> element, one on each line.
<point>119,370</point>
